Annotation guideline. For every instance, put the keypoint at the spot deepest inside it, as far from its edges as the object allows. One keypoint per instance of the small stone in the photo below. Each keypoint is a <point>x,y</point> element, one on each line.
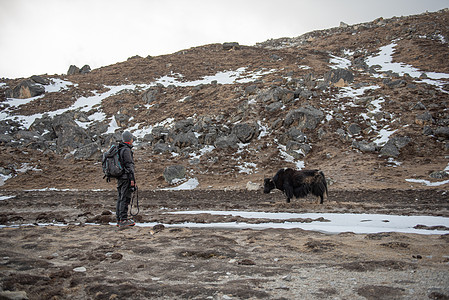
<point>287,278</point>
<point>246,262</point>
<point>117,256</point>
<point>80,269</point>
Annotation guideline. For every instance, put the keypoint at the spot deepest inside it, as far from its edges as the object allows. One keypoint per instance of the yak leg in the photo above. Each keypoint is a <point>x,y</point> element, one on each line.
<point>288,190</point>
<point>321,200</point>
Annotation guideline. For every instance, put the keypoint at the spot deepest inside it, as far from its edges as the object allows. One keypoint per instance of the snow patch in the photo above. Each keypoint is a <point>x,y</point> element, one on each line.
<point>2,198</point>
<point>336,223</point>
<point>427,182</point>
<point>190,184</point>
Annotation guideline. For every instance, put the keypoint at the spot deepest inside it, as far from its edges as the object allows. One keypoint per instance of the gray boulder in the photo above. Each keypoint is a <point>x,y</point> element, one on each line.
<point>183,140</point>
<point>298,150</point>
<point>424,119</point>
<point>5,138</point>
<point>121,119</point>
<point>40,80</point>
<point>306,117</point>
<point>354,129</point>
<point>365,146</point>
<point>392,147</point>
<point>160,133</point>
<point>173,173</point>
<point>184,125</point>
<point>27,89</point>
<point>276,94</point>
<point>245,132</point>
<point>229,141</point>
<point>161,148</point>
<point>150,95</point>
<point>73,70</point>
<point>275,106</point>
<point>339,77</point>
<point>442,132</point>
<point>69,135</point>
<point>90,151</point>
<point>231,46</point>
<point>439,175</point>
<point>85,69</point>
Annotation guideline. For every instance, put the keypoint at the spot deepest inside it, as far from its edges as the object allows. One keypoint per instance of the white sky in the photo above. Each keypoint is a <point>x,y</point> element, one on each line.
<point>47,36</point>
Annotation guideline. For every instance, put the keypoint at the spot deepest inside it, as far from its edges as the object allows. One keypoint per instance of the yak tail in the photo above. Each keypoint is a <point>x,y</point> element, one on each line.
<point>324,183</point>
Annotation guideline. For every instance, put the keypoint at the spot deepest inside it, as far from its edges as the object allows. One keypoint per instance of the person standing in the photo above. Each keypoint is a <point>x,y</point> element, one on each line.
<point>127,182</point>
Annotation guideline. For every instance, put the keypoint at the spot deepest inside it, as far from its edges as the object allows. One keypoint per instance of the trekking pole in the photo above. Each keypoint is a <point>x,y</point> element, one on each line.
<point>136,197</point>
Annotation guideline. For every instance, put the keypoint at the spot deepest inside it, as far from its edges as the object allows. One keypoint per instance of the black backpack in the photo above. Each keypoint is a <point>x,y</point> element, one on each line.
<point>112,163</point>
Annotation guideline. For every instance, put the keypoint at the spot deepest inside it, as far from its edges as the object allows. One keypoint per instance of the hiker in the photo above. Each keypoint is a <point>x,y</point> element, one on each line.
<point>126,183</point>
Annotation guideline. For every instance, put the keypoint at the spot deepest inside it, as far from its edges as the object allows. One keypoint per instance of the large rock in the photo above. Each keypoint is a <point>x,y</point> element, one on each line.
<point>150,95</point>
<point>90,151</point>
<point>424,119</point>
<point>364,146</point>
<point>306,117</point>
<point>69,135</point>
<point>231,46</point>
<point>85,69</point>
<point>339,77</point>
<point>27,89</point>
<point>442,132</point>
<point>160,133</point>
<point>40,80</point>
<point>183,140</point>
<point>392,147</point>
<point>73,70</point>
<point>121,119</point>
<point>161,148</point>
<point>229,141</point>
<point>245,132</point>
<point>298,150</point>
<point>276,94</point>
<point>173,173</point>
<point>184,125</point>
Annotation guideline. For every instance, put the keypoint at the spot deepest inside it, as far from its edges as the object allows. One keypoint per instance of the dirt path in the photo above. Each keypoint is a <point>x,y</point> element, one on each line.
<point>79,261</point>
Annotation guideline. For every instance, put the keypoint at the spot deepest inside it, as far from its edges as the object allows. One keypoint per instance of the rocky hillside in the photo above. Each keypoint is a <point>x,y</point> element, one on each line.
<point>366,103</point>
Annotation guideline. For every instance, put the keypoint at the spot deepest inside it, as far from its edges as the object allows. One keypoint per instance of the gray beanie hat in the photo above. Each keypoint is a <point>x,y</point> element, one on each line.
<point>127,137</point>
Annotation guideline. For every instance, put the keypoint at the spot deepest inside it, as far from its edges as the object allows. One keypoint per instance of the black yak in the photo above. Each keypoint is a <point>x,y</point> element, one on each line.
<point>297,183</point>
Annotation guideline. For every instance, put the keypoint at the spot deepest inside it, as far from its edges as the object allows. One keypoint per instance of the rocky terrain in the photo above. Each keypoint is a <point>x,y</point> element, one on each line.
<point>232,114</point>
<point>366,103</point>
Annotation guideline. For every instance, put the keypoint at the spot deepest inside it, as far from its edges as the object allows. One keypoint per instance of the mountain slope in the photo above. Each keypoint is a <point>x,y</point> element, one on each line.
<point>367,104</point>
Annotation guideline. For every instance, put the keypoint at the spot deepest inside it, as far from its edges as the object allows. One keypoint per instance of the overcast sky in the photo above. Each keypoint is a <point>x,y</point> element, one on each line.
<point>47,36</point>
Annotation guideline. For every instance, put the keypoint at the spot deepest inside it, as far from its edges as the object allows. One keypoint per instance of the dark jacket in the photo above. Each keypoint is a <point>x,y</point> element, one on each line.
<point>126,156</point>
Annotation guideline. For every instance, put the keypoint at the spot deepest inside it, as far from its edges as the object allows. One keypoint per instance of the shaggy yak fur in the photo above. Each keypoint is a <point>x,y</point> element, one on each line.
<point>297,183</point>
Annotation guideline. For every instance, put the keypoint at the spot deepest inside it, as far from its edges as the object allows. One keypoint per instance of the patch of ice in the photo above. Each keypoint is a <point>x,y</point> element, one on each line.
<point>385,60</point>
<point>2,198</point>
<point>3,179</point>
<point>58,85</point>
<point>339,62</point>
<point>190,184</point>
<point>263,130</point>
<point>247,168</point>
<point>337,223</point>
<point>427,182</point>
<point>356,92</point>
<point>304,67</point>
<point>27,167</point>
<point>223,77</point>
<point>288,158</point>
<point>383,136</point>
<point>393,162</point>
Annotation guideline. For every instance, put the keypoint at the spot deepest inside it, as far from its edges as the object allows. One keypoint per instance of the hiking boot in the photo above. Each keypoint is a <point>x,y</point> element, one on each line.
<point>126,223</point>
